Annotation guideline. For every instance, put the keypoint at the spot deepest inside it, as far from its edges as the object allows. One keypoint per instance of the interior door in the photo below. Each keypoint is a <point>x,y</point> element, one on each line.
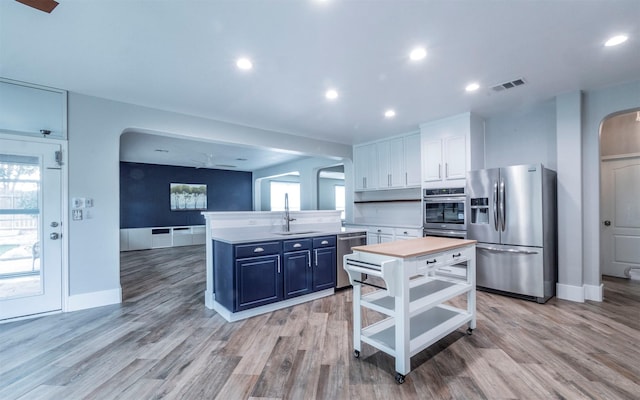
<point>30,229</point>
<point>620,229</point>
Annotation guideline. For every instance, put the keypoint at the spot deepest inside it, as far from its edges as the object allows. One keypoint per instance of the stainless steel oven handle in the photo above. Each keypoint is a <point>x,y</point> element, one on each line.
<point>506,250</point>
<point>444,199</point>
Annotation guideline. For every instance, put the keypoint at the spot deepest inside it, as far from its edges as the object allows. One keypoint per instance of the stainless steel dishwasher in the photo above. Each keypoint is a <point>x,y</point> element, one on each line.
<point>345,242</point>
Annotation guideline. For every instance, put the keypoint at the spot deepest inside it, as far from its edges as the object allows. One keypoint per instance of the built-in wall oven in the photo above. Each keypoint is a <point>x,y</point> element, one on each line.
<point>444,212</point>
<point>444,216</point>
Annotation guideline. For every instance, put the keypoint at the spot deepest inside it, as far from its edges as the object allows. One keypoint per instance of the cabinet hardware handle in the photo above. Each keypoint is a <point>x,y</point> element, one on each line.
<point>258,250</point>
<point>297,245</point>
<point>439,171</point>
<point>431,262</point>
<point>457,255</point>
<point>446,170</point>
<point>316,256</point>
<point>278,256</point>
<point>309,258</point>
<point>324,242</point>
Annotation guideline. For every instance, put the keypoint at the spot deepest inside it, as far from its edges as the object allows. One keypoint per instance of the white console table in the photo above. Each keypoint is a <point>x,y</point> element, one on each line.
<point>157,237</point>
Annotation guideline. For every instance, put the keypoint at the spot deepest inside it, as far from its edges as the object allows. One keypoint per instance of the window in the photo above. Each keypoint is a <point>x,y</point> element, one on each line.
<point>278,190</point>
<point>339,196</point>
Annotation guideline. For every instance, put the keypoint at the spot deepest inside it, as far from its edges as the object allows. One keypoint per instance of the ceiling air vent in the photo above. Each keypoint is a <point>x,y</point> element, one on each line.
<point>508,85</point>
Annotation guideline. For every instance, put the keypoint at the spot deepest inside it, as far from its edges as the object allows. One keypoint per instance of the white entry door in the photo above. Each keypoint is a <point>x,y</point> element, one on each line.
<point>30,228</point>
<point>620,228</point>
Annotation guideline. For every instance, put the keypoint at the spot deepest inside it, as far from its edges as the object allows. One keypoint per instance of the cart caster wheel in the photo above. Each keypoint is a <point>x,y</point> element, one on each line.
<point>356,353</point>
<point>469,331</point>
<point>399,378</point>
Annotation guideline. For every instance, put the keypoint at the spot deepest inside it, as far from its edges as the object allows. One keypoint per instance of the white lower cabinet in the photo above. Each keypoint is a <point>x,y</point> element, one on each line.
<point>384,234</point>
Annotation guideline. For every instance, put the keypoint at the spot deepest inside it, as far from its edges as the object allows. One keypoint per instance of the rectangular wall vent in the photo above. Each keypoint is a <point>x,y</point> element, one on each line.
<point>508,85</point>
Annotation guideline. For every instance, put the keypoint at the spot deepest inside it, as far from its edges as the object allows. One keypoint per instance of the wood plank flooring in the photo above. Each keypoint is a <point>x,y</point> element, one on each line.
<point>162,343</point>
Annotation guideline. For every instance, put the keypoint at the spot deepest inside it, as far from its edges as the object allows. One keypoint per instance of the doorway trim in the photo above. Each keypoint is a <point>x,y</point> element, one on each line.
<point>601,160</point>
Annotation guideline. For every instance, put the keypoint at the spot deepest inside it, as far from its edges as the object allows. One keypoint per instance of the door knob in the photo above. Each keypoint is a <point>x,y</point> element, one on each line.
<point>54,236</point>
<point>607,223</point>
<point>54,224</point>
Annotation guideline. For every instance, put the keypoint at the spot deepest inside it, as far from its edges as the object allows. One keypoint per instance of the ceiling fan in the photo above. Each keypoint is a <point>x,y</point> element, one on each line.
<point>42,5</point>
<point>209,162</point>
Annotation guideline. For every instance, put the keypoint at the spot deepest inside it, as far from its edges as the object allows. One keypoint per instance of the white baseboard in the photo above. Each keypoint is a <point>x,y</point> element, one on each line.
<point>580,293</point>
<point>594,292</point>
<point>93,299</point>
<point>569,292</point>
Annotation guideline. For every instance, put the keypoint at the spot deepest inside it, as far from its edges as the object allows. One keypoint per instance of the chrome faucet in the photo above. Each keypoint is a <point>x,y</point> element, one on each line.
<point>287,217</point>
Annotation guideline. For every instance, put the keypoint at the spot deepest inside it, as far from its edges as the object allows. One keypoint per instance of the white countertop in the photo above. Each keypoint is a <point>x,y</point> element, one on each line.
<point>250,235</point>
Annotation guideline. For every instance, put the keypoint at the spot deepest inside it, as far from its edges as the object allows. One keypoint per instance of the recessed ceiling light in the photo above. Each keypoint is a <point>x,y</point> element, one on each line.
<point>244,63</point>
<point>389,114</point>
<point>472,87</point>
<point>418,53</point>
<point>331,94</point>
<point>616,40</point>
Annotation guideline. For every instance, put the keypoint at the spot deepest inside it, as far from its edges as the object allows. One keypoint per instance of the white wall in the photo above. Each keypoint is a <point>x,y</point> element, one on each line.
<point>522,137</point>
<point>95,126</point>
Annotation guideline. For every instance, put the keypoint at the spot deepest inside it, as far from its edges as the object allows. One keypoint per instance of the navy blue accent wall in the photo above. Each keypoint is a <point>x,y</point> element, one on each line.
<point>144,193</point>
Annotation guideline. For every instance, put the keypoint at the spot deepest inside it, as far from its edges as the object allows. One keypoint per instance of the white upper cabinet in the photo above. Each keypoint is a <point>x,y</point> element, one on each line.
<point>413,171</point>
<point>32,110</point>
<point>391,163</point>
<point>365,159</point>
<point>388,164</point>
<point>451,147</point>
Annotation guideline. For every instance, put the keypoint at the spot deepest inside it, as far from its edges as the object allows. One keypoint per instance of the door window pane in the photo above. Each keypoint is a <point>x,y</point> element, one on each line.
<point>19,222</point>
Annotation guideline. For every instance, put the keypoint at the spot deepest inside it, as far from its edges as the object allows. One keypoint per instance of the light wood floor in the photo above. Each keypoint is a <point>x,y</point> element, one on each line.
<point>161,342</point>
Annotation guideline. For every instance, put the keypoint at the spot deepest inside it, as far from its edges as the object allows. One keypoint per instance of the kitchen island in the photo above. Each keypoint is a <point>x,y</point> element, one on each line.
<point>413,295</point>
<point>255,265</point>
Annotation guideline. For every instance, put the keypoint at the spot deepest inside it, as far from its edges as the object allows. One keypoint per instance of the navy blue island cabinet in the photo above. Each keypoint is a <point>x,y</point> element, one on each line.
<point>255,274</point>
<point>324,265</point>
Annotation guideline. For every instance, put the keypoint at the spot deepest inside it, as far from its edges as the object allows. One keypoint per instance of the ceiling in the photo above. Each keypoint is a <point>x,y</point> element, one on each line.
<point>180,55</point>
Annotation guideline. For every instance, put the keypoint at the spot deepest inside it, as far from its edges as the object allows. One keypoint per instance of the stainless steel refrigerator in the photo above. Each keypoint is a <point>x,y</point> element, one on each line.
<point>513,218</point>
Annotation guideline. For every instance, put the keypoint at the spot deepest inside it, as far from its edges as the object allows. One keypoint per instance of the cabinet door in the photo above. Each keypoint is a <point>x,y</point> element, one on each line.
<point>412,166</point>
<point>432,160</point>
<point>365,167</point>
<point>455,156</point>
<point>258,281</point>
<point>297,273</point>
<point>391,163</point>
<point>324,269</point>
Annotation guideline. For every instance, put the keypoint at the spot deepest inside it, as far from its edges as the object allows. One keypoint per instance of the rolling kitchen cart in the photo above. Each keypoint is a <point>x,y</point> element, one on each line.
<point>414,294</point>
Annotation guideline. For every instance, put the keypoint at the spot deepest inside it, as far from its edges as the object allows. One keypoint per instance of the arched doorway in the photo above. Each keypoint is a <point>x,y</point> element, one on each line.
<point>619,194</point>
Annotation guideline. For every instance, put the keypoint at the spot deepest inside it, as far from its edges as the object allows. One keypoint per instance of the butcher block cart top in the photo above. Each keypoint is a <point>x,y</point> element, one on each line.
<point>416,285</point>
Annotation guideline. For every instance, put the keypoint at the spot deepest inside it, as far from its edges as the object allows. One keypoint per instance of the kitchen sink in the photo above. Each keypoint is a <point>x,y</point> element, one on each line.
<point>294,233</point>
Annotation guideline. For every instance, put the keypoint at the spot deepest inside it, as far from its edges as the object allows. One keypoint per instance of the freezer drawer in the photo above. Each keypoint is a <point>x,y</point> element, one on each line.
<point>513,269</point>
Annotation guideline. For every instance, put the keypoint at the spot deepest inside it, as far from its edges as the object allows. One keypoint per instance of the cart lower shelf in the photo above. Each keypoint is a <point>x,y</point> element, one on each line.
<point>425,329</point>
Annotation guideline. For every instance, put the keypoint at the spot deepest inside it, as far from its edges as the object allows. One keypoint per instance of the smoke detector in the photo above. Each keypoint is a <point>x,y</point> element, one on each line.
<point>508,85</point>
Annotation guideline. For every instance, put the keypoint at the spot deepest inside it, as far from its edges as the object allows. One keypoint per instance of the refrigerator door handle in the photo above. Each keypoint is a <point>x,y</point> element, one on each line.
<point>513,251</point>
<point>495,205</point>
<point>502,205</point>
